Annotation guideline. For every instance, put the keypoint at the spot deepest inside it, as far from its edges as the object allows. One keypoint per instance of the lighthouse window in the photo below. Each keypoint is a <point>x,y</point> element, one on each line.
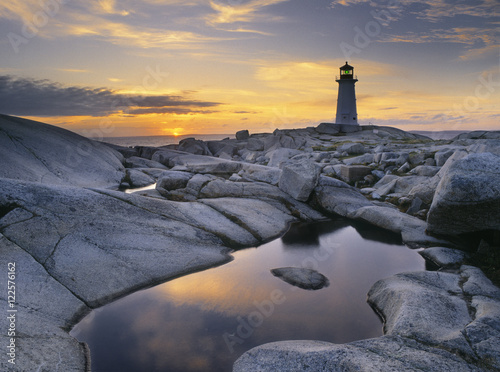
<point>354,118</point>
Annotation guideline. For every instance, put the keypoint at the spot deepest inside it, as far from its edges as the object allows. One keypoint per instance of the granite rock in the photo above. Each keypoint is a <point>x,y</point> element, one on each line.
<point>38,152</point>
<point>301,277</point>
<point>299,179</point>
<point>467,198</point>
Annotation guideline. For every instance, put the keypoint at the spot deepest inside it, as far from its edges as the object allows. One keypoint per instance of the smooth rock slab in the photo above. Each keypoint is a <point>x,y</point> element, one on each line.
<point>301,277</point>
<point>38,152</point>
<point>44,308</point>
<point>206,164</point>
<point>261,219</point>
<point>412,229</point>
<point>81,236</point>
<point>383,354</point>
<point>401,298</point>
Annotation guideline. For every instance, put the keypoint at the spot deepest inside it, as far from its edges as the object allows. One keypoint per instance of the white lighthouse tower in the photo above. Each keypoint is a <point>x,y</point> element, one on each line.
<point>346,101</point>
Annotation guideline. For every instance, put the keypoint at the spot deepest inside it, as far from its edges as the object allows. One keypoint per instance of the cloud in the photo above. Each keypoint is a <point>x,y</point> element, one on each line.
<point>232,12</point>
<point>107,20</point>
<point>30,97</point>
<point>71,70</point>
<point>432,10</point>
<point>128,35</point>
<point>107,7</point>
<point>478,40</point>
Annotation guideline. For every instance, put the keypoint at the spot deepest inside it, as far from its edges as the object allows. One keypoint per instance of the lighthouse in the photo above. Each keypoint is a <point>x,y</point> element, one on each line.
<point>346,100</point>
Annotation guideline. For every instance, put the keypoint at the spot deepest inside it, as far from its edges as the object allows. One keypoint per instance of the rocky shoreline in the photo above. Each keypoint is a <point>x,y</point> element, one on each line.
<point>83,243</point>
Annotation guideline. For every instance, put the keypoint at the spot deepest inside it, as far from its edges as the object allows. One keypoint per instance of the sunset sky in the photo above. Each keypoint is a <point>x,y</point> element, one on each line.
<point>155,67</point>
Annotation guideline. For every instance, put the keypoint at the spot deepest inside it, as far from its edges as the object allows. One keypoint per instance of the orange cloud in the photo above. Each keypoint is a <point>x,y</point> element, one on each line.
<point>244,12</point>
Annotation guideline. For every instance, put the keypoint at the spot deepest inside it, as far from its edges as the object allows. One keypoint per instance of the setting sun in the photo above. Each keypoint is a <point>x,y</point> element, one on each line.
<point>172,131</point>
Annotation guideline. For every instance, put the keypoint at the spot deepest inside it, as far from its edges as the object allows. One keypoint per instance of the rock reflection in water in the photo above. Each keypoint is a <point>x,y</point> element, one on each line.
<point>206,320</point>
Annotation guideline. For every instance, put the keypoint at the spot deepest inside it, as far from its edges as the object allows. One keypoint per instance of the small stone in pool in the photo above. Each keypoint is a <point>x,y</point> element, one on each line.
<point>301,277</point>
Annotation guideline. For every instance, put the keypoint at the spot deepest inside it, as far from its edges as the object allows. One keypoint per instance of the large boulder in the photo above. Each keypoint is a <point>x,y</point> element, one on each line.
<point>467,198</point>
<point>299,179</point>
<point>352,173</point>
<point>194,146</point>
<point>172,180</point>
<point>352,148</point>
<point>442,156</point>
<point>394,184</point>
<point>165,156</point>
<point>280,156</point>
<point>137,178</point>
<point>255,144</point>
<point>38,152</point>
<point>242,135</point>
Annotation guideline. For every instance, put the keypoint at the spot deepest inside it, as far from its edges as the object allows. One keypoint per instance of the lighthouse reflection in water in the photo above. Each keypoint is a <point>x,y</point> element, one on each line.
<point>206,320</point>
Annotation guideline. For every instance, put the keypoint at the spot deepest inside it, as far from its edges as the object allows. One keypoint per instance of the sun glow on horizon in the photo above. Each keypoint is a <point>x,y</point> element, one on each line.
<point>176,132</point>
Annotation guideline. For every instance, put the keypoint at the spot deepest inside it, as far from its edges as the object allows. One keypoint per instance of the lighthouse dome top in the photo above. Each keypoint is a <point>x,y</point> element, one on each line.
<point>346,66</point>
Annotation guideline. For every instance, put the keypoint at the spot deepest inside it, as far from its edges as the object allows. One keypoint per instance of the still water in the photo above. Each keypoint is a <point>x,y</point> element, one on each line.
<point>206,320</point>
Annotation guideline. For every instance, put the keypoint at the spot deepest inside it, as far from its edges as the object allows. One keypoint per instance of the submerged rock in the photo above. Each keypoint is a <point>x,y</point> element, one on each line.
<point>301,277</point>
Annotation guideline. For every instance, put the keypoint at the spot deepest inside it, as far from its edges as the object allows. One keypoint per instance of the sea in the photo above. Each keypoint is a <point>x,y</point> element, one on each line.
<point>157,141</point>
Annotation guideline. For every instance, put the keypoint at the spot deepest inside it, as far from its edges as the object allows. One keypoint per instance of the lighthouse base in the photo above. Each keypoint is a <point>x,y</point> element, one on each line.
<point>331,128</point>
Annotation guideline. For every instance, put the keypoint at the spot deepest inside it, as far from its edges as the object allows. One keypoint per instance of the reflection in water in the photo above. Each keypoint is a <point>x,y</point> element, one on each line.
<point>206,320</point>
